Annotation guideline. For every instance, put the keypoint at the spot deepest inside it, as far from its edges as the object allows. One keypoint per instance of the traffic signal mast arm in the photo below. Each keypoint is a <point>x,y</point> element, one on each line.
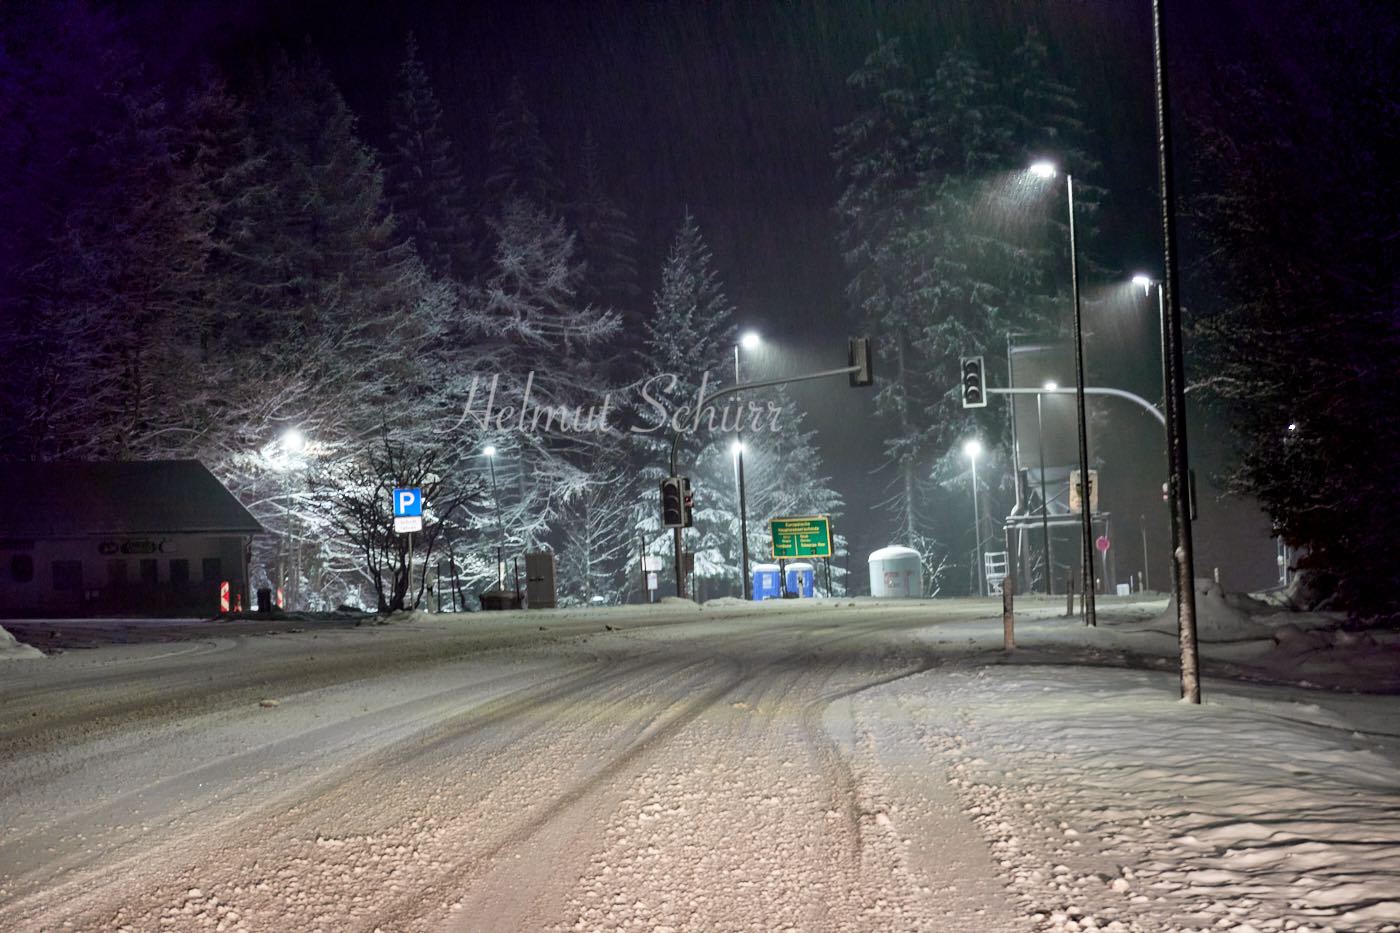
<point>761,384</point>
<point>1088,390</point>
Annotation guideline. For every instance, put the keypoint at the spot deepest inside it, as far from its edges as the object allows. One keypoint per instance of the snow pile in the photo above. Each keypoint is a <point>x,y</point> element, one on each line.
<point>1220,616</point>
<point>1112,807</point>
<point>11,649</point>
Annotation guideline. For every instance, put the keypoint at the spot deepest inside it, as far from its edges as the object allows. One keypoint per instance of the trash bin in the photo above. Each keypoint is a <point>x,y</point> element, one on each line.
<point>767,582</point>
<point>801,580</point>
<point>264,599</point>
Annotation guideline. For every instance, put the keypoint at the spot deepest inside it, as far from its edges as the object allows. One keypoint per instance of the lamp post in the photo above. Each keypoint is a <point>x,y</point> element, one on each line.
<point>292,442</point>
<point>1044,500</point>
<point>490,454</point>
<point>737,449</point>
<point>749,341</point>
<point>1147,284</point>
<point>973,449</point>
<point>1047,170</point>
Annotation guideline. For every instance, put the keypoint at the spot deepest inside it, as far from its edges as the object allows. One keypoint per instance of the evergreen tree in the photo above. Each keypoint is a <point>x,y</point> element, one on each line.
<point>686,345</point>
<point>606,245</point>
<point>106,250</point>
<point>520,163</point>
<point>426,189</point>
<point>880,209</point>
<point>1298,345</point>
<point>934,274</point>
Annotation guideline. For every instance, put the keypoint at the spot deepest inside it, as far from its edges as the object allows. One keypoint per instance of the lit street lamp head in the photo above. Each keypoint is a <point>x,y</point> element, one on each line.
<point>1051,386</point>
<point>293,441</point>
<point>489,451</point>
<point>973,449</point>
<point>750,340</point>
<point>1145,282</point>
<point>736,448</point>
<point>1043,169</point>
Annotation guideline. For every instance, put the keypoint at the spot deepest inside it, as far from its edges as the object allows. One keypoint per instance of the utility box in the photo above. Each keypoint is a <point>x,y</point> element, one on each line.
<point>539,581</point>
<point>896,572</point>
<point>767,581</point>
<point>801,580</point>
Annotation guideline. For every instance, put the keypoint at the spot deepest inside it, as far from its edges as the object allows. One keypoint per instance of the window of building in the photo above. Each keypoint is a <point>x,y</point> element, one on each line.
<point>179,571</point>
<point>116,572</point>
<point>22,568</point>
<point>213,570</point>
<point>68,575</point>
<point>148,571</point>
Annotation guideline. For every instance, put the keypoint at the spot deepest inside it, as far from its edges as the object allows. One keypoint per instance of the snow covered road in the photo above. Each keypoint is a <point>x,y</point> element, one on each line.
<point>736,768</point>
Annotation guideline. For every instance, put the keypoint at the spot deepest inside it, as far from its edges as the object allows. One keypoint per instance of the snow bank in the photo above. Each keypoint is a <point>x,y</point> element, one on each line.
<point>1112,807</point>
<point>1220,616</point>
<point>10,649</point>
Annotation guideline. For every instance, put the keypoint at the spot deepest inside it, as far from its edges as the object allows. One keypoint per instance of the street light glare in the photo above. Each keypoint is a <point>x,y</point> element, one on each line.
<point>1051,386</point>
<point>293,441</point>
<point>1043,169</point>
<point>973,448</point>
<point>489,451</point>
<point>1142,280</point>
<point>736,448</point>
<point>750,340</point>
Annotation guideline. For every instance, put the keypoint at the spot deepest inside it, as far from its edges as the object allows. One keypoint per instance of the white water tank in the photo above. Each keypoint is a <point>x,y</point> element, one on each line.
<point>896,573</point>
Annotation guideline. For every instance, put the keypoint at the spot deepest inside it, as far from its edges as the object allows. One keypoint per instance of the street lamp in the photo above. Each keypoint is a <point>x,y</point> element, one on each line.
<point>292,442</point>
<point>749,341</point>
<point>1047,170</point>
<point>973,449</point>
<point>1044,499</point>
<point>490,453</point>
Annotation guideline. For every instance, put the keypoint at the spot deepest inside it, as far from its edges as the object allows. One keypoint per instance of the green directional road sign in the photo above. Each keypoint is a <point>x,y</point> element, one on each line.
<point>801,537</point>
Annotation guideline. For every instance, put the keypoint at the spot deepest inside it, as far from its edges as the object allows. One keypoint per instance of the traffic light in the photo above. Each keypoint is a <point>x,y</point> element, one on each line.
<point>862,356</point>
<point>974,394</point>
<point>672,503</point>
<point>688,500</point>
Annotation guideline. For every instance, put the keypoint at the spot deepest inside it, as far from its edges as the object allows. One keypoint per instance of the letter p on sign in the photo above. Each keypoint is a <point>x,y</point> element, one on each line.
<point>408,502</point>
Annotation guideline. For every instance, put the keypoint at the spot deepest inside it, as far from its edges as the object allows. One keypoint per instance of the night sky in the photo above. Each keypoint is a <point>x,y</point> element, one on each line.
<point>729,110</point>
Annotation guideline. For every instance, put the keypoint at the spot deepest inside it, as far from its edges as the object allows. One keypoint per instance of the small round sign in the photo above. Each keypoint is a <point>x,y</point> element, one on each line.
<point>1102,544</point>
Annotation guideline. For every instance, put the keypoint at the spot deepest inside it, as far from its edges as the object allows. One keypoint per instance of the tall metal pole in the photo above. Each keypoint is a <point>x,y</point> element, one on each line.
<point>1044,502</point>
<point>745,582</point>
<point>676,545</point>
<point>1142,526</point>
<point>1085,506</point>
<point>976,528</point>
<point>1183,559</point>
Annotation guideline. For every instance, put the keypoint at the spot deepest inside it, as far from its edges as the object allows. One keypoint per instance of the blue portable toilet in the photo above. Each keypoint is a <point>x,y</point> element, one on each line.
<point>767,581</point>
<point>802,580</point>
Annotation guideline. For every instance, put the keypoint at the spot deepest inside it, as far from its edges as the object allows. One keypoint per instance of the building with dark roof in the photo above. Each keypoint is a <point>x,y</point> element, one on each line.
<point>153,537</point>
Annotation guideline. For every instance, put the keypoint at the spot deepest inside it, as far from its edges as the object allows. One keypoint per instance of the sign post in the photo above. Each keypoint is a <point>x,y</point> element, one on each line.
<point>407,505</point>
<point>795,538</point>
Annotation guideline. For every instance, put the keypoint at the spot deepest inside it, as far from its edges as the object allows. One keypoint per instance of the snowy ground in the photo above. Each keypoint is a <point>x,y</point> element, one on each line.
<point>822,767</point>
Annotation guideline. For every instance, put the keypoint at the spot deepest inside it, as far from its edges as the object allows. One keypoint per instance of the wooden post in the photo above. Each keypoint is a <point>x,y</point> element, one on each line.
<point>1008,612</point>
<point>1069,595</point>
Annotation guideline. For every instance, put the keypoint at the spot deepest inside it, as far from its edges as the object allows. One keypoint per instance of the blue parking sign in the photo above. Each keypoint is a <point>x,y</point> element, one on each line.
<point>408,502</point>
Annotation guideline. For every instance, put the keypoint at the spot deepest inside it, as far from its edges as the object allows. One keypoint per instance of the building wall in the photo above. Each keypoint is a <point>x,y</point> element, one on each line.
<point>138,575</point>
